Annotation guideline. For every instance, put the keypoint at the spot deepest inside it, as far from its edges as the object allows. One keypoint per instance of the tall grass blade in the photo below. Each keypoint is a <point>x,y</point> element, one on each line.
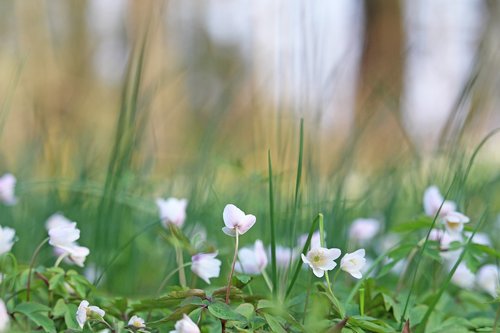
<point>272,224</point>
<point>314,225</point>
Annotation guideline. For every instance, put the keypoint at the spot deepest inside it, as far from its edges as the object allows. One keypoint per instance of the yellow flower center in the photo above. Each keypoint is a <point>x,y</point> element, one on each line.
<point>317,258</point>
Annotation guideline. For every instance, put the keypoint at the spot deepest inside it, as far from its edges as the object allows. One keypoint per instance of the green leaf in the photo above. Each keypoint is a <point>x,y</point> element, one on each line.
<point>224,311</point>
<point>423,222</point>
<point>56,281</point>
<point>70,317</point>
<point>43,321</point>
<point>274,324</point>
<point>31,307</point>
<point>60,308</point>
<point>245,309</point>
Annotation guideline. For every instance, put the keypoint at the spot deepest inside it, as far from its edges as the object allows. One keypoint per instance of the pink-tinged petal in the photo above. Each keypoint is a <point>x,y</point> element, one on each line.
<point>247,222</point>
<point>229,231</point>
<point>232,215</point>
<point>318,272</point>
<point>329,266</point>
<point>332,254</point>
<point>356,275</point>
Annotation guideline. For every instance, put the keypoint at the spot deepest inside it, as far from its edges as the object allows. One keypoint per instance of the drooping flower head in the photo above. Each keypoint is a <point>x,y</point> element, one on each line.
<point>433,200</point>
<point>321,259</point>
<point>362,230</point>
<point>353,263</point>
<point>7,238</point>
<point>172,211</point>
<point>86,311</point>
<point>185,325</point>
<point>136,322</point>
<point>63,235</point>
<point>206,266</point>
<point>236,221</point>
<point>454,222</point>
<point>7,187</point>
<point>252,260</point>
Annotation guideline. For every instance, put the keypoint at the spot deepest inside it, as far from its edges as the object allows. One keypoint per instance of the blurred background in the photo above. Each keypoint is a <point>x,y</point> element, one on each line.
<point>106,104</point>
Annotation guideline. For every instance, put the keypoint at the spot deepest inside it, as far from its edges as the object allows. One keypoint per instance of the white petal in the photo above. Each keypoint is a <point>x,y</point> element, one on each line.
<point>232,215</point>
<point>229,231</point>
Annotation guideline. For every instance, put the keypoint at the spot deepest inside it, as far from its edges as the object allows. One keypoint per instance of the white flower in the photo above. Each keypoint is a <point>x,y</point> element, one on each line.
<point>454,222</point>
<point>58,220</point>
<point>284,256</point>
<point>236,221</point>
<point>7,186</point>
<point>7,236</point>
<point>4,317</point>
<point>136,322</point>
<point>353,263</point>
<point>487,278</point>
<point>206,266</point>
<point>85,311</point>
<point>252,260</point>
<point>315,240</point>
<point>362,230</point>
<point>321,259</point>
<point>185,325</point>
<point>64,237</point>
<point>433,200</point>
<point>172,210</point>
<point>463,277</point>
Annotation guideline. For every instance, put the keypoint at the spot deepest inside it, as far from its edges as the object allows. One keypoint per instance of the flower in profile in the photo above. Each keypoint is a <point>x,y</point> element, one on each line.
<point>63,235</point>
<point>7,186</point>
<point>236,221</point>
<point>7,236</point>
<point>445,239</point>
<point>321,259</point>
<point>463,277</point>
<point>362,230</point>
<point>454,222</point>
<point>185,325</point>
<point>172,211</point>
<point>433,200</point>
<point>4,317</point>
<point>86,311</point>
<point>487,278</point>
<point>136,322</point>
<point>252,260</point>
<point>353,263</point>
<point>206,266</point>
<point>315,240</point>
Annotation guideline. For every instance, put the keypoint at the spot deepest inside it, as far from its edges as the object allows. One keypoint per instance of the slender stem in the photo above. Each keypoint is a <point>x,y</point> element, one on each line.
<point>268,281</point>
<point>497,318</point>
<point>180,264</point>
<point>335,300</point>
<point>32,263</point>
<point>362,301</point>
<point>60,258</point>
<point>228,290</point>
<point>169,276</point>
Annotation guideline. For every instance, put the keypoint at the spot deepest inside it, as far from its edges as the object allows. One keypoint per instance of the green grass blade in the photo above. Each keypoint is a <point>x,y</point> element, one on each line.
<point>272,225</point>
<point>314,225</point>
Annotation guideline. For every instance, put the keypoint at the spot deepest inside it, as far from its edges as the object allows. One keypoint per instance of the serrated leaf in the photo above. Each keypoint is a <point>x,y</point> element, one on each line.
<point>245,309</point>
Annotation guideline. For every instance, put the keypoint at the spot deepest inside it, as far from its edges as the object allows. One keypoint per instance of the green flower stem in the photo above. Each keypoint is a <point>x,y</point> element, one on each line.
<point>32,263</point>
<point>228,290</point>
<point>60,258</point>
<point>180,264</point>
